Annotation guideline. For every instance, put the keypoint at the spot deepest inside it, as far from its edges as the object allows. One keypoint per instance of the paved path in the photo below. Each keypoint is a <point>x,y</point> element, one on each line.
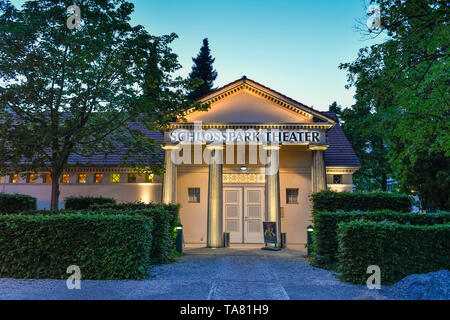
<point>223,274</point>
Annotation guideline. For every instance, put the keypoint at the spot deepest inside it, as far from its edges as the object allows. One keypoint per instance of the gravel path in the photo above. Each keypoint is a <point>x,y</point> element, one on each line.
<point>228,274</point>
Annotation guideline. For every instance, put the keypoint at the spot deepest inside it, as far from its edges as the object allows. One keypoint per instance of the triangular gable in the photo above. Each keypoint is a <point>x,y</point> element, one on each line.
<point>272,106</point>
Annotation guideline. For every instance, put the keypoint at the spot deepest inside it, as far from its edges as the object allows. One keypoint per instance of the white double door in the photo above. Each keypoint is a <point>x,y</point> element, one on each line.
<point>243,213</point>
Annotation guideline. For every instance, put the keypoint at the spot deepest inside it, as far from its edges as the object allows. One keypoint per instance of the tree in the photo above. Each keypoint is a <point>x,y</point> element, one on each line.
<point>405,82</point>
<point>75,91</point>
<point>203,70</point>
<point>360,125</point>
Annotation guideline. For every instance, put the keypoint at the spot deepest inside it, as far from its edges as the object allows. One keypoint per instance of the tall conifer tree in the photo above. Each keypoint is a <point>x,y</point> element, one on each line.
<point>203,69</point>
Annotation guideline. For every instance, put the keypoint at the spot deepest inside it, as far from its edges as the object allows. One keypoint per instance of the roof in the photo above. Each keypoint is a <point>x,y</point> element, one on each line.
<point>340,152</point>
<point>115,159</point>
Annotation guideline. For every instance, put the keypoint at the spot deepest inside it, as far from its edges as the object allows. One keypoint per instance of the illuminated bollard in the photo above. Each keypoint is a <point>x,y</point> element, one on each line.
<point>309,231</point>
<point>179,239</point>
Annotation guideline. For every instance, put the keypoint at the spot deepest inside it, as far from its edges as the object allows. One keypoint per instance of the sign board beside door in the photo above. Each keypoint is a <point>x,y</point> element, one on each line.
<point>270,232</point>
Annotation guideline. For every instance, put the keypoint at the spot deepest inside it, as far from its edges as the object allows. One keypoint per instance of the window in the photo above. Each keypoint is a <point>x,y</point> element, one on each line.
<point>14,178</point>
<point>98,178</point>
<point>115,177</point>
<point>194,195</point>
<point>149,178</point>
<point>47,178</point>
<point>65,178</point>
<point>292,196</point>
<point>337,179</point>
<point>82,178</point>
<point>131,178</point>
<point>31,178</point>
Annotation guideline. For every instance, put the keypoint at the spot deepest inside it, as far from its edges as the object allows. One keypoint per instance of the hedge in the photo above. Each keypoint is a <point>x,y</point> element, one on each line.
<point>104,247</point>
<point>84,202</point>
<point>15,203</point>
<point>162,247</point>
<point>348,201</point>
<point>162,233</point>
<point>325,242</point>
<point>173,210</point>
<point>399,250</point>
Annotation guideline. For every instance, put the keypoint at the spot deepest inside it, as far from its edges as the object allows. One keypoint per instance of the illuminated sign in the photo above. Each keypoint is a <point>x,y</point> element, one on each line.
<point>247,136</point>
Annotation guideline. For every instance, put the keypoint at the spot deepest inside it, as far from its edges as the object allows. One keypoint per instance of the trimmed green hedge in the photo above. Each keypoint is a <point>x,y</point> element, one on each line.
<point>15,203</point>
<point>348,201</point>
<point>399,250</point>
<point>104,247</point>
<point>82,202</point>
<point>162,233</point>
<point>173,210</point>
<point>162,247</point>
<point>325,242</point>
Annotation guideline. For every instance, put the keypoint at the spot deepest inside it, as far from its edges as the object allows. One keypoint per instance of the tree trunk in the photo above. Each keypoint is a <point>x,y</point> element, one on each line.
<point>55,190</point>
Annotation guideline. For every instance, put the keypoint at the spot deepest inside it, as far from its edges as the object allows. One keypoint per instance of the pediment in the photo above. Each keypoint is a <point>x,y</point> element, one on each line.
<point>246,101</point>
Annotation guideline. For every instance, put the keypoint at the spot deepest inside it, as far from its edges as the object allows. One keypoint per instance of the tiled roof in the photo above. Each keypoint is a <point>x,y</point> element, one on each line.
<point>115,159</point>
<point>340,153</point>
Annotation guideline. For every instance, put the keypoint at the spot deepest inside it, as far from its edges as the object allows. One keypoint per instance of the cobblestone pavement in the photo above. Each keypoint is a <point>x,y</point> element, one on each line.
<point>222,274</point>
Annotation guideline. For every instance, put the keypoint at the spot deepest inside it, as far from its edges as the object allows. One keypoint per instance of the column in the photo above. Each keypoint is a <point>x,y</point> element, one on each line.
<point>273,213</point>
<point>170,176</point>
<point>215,198</point>
<point>318,172</point>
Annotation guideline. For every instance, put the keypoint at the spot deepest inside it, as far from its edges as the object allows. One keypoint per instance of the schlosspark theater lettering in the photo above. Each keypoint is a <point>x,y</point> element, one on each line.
<point>247,136</point>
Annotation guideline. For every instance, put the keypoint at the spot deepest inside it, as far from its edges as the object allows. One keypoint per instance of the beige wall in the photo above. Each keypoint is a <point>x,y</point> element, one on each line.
<point>346,185</point>
<point>295,173</point>
<point>193,215</point>
<point>122,192</point>
<point>246,107</point>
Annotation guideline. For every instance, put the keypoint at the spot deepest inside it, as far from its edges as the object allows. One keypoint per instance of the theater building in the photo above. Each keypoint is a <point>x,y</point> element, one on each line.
<point>255,155</point>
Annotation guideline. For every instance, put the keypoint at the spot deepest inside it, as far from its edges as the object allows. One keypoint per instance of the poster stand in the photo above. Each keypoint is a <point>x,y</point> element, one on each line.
<point>270,236</point>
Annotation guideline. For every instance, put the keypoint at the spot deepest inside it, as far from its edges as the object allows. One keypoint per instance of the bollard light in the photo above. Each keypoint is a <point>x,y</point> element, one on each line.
<point>309,231</point>
<point>179,239</point>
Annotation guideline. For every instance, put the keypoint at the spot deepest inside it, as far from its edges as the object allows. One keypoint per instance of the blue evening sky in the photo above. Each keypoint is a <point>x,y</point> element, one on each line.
<point>292,46</point>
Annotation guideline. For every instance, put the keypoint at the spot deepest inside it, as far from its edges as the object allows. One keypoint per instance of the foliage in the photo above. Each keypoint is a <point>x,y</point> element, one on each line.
<point>361,126</point>
<point>173,209</point>
<point>404,83</point>
<point>325,241</point>
<point>84,202</point>
<point>347,201</point>
<point>164,223</point>
<point>15,203</point>
<point>76,92</point>
<point>203,70</point>
<point>104,247</point>
<point>165,219</point>
<point>399,250</point>
<point>163,243</point>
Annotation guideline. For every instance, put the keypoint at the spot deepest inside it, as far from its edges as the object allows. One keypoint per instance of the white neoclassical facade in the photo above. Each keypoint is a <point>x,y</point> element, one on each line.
<point>254,156</point>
